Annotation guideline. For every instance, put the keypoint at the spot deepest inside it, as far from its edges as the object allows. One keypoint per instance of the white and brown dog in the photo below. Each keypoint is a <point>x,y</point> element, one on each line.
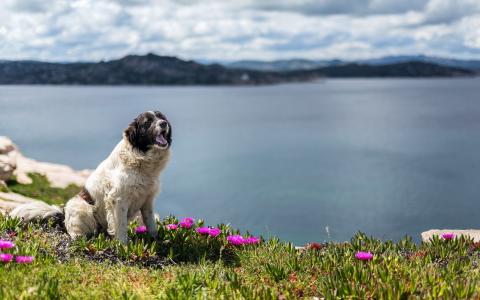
<point>123,184</point>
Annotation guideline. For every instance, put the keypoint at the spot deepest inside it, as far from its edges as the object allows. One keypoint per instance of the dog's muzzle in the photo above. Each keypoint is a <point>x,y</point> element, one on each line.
<point>161,138</point>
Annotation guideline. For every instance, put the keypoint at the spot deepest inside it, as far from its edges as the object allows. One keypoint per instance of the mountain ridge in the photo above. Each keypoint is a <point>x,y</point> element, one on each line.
<point>307,64</point>
<point>152,69</point>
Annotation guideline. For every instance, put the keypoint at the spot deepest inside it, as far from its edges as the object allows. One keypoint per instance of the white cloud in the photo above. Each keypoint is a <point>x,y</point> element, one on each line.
<point>228,30</point>
<point>447,11</point>
<point>348,7</point>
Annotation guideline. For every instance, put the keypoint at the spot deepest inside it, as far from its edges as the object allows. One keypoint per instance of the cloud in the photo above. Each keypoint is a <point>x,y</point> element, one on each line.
<point>443,11</point>
<point>31,6</point>
<point>131,2</point>
<point>348,7</point>
<point>72,30</point>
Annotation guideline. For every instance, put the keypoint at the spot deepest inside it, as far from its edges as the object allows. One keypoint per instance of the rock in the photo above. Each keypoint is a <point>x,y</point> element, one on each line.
<point>9,201</point>
<point>58,175</point>
<point>8,158</point>
<point>473,233</point>
<point>12,162</point>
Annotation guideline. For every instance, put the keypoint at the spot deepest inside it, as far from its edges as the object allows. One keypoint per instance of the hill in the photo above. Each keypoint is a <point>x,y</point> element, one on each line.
<point>282,65</point>
<point>153,69</point>
<point>306,64</point>
<point>405,69</point>
<point>150,69</point>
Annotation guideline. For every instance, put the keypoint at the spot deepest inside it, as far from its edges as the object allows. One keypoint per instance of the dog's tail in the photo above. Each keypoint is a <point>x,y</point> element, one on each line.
<point>37,210</point>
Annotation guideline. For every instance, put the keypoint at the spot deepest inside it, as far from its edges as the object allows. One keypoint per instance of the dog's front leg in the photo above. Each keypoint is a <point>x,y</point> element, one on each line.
<point>149,218</point>
<point>117,213</point>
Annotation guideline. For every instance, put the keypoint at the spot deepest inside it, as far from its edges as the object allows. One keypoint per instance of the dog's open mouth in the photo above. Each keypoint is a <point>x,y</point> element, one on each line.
<point>161,140</point>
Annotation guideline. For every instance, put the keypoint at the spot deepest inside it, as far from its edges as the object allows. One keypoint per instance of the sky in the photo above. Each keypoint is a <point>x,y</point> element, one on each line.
<point>223,30</point>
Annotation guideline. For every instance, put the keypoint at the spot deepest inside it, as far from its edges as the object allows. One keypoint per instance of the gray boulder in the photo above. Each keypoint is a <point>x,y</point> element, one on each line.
<point>8,158</point>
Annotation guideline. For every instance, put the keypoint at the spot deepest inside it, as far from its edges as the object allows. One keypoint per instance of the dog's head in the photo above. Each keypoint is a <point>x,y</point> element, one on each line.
<point>150,130</point>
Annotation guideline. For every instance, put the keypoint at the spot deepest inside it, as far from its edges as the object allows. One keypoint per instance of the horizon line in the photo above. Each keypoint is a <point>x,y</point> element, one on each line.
<point>211,61</point>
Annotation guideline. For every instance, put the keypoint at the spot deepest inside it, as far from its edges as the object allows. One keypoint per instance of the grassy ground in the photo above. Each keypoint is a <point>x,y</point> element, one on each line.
<point>186,265</point>
<point>40,189</point>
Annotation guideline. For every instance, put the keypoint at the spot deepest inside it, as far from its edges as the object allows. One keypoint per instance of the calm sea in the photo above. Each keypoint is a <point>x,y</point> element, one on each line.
<point>386,157</point>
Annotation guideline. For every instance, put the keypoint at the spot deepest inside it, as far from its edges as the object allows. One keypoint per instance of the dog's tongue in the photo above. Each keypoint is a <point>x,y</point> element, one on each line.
<point>161,140</point>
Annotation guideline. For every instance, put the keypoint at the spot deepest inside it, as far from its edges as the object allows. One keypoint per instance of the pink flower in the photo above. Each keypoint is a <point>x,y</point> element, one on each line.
<point>203,230</point>
<point>251,240</point>
<point>141,229</point>
<point>448,236</point>
<point>364,255</point>
<point>214,232</point>
<point>188,220</point>
<point>240,240</point>
<point>184,224</point>
<point>6,244</point>
<point>235,240</point>
<point>172,226</point>
<point>24,259</point>
<point>6,258</point>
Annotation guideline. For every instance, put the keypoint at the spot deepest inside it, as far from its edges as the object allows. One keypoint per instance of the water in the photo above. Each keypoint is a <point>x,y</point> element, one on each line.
<point>386,157</point>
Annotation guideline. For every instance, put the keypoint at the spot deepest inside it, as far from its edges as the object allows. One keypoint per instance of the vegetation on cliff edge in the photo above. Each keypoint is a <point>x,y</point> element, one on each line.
<point>188,263</point>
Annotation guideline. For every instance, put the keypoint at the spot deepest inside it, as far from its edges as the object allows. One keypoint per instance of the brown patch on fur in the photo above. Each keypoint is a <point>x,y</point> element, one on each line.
<point>85,195</point>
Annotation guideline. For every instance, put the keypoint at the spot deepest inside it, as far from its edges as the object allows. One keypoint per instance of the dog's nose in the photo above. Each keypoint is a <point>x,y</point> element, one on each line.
<point>163,124</point>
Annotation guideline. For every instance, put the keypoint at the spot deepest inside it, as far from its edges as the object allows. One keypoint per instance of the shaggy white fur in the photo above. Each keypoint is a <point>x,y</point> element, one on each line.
<point>123,184</point>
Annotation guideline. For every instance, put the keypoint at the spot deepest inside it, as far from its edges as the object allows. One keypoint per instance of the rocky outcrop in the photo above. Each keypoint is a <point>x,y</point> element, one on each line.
<point>58,175</point>
<point>8,158</point>
<point>9,201</point>
<point>472,233</point>
<point>14,164</point>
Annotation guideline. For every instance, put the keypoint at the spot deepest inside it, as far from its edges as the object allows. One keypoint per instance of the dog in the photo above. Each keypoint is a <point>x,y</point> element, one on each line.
<point>123,184</point>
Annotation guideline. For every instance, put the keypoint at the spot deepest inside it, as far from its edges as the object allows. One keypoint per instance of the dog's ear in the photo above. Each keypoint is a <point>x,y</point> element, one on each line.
<point>136,135</point>
<point>131,133</point>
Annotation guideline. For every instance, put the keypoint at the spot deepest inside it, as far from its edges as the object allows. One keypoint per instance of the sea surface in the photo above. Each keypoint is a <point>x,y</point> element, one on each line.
<point>304,162</point>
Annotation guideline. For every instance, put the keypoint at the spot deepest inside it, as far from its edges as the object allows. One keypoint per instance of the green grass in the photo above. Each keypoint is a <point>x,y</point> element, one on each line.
<point>4,188</point>
<point>40,188</point>
<point>185,265</point>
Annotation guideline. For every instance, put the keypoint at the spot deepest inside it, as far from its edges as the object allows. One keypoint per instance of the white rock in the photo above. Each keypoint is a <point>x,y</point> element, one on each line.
<point>9,201</point>
<point>473,233</point>
<point>12,162</point>
<point>58,175</point>
<point>8,158</point>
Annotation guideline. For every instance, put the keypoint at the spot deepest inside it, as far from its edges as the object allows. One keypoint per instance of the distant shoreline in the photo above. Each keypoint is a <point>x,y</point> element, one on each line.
<point>317,81</point>
<point>154,70</point>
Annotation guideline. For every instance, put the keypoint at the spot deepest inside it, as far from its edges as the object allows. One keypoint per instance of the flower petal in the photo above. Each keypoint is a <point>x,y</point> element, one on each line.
<point>24,259</point>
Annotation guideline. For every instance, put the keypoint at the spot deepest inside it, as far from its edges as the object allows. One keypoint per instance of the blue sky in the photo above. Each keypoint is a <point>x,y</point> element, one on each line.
<point>72,30</point>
